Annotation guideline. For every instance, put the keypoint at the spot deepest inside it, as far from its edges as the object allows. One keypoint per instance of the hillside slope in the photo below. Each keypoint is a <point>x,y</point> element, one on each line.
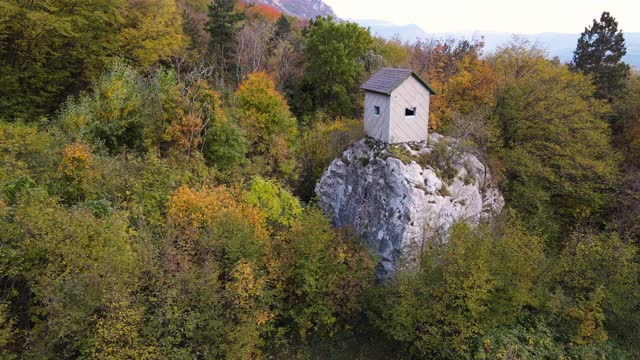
<point>308,9</point>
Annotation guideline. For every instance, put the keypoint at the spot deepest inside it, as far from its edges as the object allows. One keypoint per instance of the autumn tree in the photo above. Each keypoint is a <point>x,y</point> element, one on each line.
<point>153,31</point>
<point>480,279</point>
<point>437,60</point>
<point>269,126</point>
<point>303,280</point>
<point>456,70</point>
<point>599,53</point>
<point>151,212</point>
<point>75,171</point>
<point>471,87</point>
<point>207,280</point>
<point>128,111</point>
<point>560,163</point>
<point>198,108</point>
<point>261,12</point>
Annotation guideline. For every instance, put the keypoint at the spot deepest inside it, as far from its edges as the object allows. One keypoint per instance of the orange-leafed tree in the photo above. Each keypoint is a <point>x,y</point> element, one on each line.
<point>473,86</point>
<point>216,236</point>
<point>193,213</point>
<point>263,11</point>
<point>457,72</point>
<point>197,109</point>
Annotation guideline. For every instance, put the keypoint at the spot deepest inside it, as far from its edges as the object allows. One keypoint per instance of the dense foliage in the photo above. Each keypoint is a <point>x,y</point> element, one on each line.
<point>156,191</point>
<point>560,165</point>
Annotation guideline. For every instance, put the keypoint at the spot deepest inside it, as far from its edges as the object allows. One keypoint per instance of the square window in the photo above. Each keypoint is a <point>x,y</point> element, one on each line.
<point>410,112</point>
<point>376,110</point>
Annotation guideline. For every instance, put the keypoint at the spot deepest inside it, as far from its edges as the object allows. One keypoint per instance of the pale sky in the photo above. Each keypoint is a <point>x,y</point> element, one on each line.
<point>516,16</point>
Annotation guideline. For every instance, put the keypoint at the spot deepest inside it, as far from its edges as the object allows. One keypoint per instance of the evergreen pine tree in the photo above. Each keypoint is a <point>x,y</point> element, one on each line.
<point>223,26</point>
<point>599,53</point>
<point>283,28</point>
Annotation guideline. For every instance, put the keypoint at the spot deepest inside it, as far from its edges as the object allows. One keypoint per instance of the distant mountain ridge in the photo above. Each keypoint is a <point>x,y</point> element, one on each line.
<point>561,45</point>
<point>389,30</point>
<point>307,9</point>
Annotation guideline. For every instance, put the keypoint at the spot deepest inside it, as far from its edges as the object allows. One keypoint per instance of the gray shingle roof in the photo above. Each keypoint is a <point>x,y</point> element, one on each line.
<point>387,79</point>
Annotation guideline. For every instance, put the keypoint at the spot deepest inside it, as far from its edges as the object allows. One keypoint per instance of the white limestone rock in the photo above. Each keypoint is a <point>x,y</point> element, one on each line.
<point>397,205</point>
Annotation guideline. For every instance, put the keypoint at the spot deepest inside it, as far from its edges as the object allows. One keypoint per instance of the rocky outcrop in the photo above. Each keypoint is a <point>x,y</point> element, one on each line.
<point>398,196</point>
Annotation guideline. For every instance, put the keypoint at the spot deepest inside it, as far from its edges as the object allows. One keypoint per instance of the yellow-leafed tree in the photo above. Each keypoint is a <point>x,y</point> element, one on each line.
<point>152,31</point>
<point>269,126</point>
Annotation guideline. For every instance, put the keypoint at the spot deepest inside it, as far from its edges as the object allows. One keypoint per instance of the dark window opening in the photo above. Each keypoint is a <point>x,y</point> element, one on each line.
<point>376,110</point>
<point>410,112</point>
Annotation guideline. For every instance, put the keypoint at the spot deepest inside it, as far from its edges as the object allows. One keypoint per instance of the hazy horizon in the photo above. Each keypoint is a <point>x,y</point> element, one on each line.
<point>492,16</point>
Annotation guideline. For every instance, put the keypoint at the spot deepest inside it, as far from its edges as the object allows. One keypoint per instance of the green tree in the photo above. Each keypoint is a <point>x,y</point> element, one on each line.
<point>71,264</point>
<point>597,288</point>
<point>7,333</point>
<point>323,141</point>
<point>51,49</point>
<point>113,116</point>
<point>324,272</point>
<point>280,206</point>
<point>482,278</point>
<point>118,332</point>
<point>224,145</point>
<point>223,26</point>
<point>335,53</point>
<point>394,53</point>
<point>599,53</point>
<point>627,108</point>
<point>283,28</point>
<point>26,156</point>
<point>560,165</point>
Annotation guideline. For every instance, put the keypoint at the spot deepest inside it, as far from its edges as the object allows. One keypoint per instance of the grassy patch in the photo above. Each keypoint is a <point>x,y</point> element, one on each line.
<point>444,191</point>
<point>400,153</point>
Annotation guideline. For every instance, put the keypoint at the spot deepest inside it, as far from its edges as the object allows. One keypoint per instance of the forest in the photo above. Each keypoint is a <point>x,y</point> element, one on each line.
<point>158,160</point>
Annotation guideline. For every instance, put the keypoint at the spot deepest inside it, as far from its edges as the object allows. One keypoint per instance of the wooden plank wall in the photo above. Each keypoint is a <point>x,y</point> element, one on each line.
<point>377,126</point>
<point>410,94</point>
